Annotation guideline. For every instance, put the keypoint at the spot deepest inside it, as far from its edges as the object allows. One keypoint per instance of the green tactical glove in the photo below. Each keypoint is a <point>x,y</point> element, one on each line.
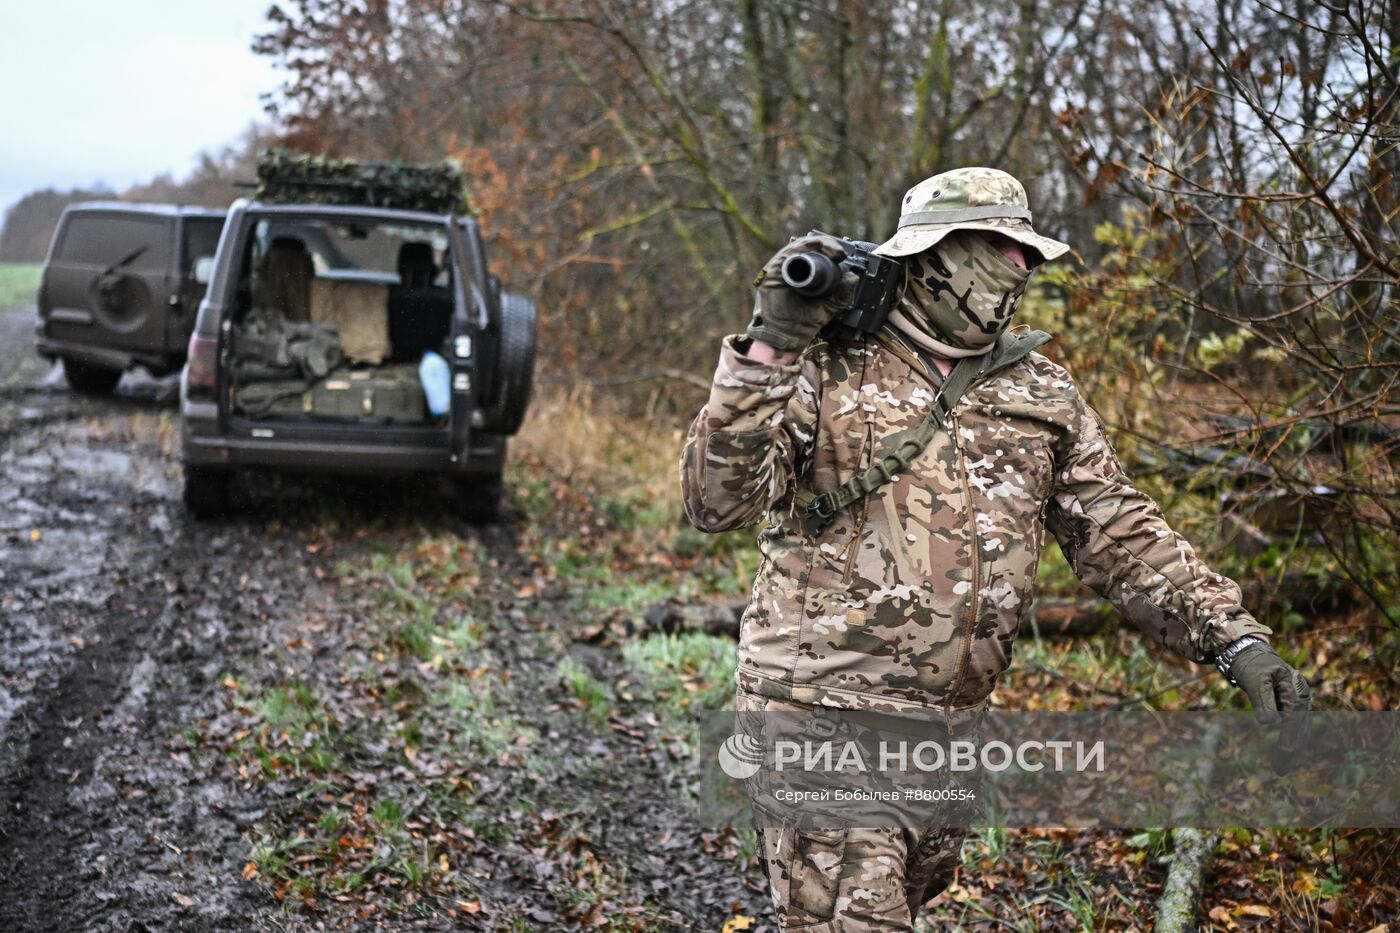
<point>786,320</point>
<point>1278,693</point>
<point>1272,685</point>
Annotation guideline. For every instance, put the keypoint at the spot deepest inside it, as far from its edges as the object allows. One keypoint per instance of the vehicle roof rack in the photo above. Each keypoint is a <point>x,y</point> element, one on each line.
<point>284,178</point>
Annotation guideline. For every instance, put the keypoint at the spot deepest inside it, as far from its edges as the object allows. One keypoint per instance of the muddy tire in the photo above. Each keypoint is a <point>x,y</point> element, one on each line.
<point>89,379</point>
<point>206,492</point>
<point>515,366</point>
<point>479,499</point>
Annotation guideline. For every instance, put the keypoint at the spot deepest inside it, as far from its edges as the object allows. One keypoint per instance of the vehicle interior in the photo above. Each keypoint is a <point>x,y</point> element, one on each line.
<point>333,321</point>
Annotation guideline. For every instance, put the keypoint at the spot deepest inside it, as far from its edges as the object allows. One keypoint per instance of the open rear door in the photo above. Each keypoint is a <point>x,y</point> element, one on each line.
<point>471,318</point>
<point>198,239</point>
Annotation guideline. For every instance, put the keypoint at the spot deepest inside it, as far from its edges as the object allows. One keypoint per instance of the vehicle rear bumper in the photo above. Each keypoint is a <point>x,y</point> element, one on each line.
<point>355,458</point>
<point>105,357</point>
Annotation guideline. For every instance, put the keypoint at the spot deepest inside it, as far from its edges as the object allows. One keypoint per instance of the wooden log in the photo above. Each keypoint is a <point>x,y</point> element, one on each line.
<point>1067,618</point>
<point>1055,618</point>
<point>678,618</point>
<point>1052,617</point>
<point>1191,851</point>
<point>1181,895</point>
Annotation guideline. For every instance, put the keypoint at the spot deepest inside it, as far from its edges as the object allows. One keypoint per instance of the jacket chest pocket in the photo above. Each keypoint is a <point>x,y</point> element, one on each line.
<point>888,537</point>
<point>861,548</point>
<point>1010,462</point>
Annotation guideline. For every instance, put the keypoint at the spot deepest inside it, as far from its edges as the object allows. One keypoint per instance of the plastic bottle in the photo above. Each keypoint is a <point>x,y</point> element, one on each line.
<point>436,377</point>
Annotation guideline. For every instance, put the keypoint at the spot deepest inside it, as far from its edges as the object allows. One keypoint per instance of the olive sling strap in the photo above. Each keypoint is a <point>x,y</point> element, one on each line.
<point>909,443</point>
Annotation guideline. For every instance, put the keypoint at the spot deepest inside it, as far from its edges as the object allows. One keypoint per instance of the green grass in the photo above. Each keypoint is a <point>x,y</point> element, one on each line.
<point>595,697</point>
<point>682,673</point>
<point>18,283</point>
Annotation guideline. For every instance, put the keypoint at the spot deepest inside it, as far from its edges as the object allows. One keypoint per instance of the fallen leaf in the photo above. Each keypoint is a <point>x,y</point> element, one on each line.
<point>1254,910</point>
<point>736,923</point>
<point>959,894</point>
<point>1221,915</point>
<point>35,534</point>
<point>469,907</point>
<point>181,899</point>
<point>250,871</point>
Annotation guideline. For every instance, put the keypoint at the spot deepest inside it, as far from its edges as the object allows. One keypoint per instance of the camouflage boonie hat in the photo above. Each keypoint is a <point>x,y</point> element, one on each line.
<point>966,199</point>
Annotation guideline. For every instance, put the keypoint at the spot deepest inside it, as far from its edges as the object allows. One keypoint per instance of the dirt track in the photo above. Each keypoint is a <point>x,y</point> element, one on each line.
<point>121,621</point>
<point>119,617</point>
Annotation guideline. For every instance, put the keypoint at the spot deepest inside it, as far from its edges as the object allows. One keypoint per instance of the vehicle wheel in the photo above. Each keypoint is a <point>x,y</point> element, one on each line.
<point>479,499</point>
<point>515,365</point>
<point>89,379</point>
<point>206,491</point>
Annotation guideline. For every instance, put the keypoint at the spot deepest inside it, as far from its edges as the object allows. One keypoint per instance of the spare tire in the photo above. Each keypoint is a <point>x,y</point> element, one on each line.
<point>515,366</point>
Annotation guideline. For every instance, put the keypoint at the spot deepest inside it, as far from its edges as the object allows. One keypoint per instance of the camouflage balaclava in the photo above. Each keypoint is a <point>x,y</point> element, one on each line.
<point>959,296</point>
<point>960,290</point>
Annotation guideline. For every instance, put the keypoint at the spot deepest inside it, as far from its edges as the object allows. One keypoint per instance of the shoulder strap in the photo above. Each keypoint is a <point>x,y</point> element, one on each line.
<point>911,442</point>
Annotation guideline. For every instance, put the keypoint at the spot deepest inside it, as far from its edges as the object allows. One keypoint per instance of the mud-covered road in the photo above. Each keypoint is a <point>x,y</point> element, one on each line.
<point>122,621</point>
<point>118,617</point>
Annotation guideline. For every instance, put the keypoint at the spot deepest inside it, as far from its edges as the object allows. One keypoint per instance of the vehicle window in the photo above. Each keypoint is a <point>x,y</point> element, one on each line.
<point>104,241</point>
<point>201,239</point>
<point>393,254</point>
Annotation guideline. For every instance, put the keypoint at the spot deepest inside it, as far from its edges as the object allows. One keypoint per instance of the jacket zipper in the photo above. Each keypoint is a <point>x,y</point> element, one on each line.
<point>862,463</point>
<point>853,545</point>
<point>966,653</point>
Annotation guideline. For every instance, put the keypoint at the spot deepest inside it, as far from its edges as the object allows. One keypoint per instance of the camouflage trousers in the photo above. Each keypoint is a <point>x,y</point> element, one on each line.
<point>851,879</point>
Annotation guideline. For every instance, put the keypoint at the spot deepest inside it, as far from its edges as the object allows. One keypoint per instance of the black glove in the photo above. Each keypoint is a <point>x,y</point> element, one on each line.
<point>1272,685</point>
<point>786,320</point>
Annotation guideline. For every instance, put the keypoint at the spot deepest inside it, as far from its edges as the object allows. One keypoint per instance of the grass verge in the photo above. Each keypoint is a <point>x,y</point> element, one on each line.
<point>18,283</point>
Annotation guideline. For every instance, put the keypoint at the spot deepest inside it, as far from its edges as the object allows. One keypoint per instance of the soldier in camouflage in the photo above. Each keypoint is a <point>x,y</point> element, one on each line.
<point>909,599</point>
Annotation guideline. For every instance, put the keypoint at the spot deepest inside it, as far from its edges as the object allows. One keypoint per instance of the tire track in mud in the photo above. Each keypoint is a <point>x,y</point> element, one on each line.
<point>117,621</point>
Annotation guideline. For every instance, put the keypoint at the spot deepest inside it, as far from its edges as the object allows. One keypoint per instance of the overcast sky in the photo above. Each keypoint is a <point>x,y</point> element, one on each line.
<point>96,91</point>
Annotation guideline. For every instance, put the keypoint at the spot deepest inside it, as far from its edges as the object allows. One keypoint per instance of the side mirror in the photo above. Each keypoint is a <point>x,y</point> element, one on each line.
<point>204,269</point>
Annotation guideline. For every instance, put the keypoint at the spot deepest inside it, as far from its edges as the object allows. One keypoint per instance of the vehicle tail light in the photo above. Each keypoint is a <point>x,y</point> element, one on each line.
<point>203,365</point>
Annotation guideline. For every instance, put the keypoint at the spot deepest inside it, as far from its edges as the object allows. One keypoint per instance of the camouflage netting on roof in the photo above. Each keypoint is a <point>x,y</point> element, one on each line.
<point>287,179</point>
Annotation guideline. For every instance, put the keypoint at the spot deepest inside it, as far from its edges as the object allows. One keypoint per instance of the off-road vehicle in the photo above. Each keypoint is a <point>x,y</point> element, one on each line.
<point>351,325</point>
<point>120,287</point>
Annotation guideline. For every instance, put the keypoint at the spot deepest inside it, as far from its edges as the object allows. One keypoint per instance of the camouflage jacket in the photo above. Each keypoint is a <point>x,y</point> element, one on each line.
<point>913,595</point>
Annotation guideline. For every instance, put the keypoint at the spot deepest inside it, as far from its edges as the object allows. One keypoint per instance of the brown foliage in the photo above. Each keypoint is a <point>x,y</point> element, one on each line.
<point>636,160</point>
